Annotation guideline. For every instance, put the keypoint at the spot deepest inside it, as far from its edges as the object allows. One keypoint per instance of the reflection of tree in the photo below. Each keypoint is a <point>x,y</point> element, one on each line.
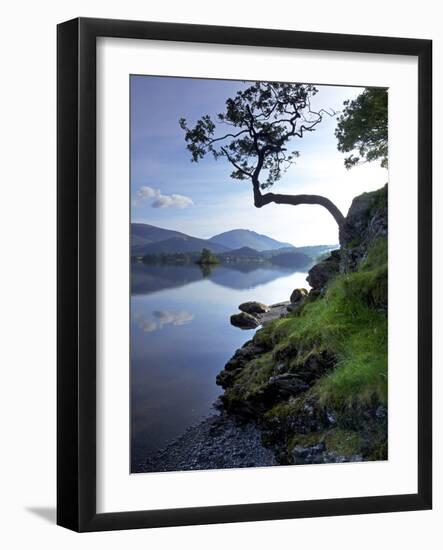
<point>206,269</point>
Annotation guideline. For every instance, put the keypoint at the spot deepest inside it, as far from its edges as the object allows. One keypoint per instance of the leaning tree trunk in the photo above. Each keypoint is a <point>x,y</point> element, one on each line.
<point>261,200</point>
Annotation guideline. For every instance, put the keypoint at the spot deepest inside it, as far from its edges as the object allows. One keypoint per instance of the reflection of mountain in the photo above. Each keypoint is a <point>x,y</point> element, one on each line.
<point>146,279</point>
<point>242,279</point>
<point>151,278</point>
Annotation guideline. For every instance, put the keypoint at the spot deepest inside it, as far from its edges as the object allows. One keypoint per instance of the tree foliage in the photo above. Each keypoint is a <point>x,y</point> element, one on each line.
<point>254,134</point>
<point>363,128</point>
<point>260,121</point>
<point>207,257</point>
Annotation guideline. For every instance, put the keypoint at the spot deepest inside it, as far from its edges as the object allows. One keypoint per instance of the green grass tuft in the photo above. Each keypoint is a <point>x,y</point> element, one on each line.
<point>349,322</point>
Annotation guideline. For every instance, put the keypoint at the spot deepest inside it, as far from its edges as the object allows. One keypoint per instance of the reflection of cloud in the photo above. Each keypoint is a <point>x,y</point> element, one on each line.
<point>161,201</point>
<point>163,317</point>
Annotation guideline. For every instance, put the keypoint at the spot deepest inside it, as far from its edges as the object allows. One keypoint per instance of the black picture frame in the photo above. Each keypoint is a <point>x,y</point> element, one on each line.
<point>76,265</point>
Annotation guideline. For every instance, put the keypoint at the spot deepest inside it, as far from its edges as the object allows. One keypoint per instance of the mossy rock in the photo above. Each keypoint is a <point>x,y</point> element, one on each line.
<point>244,321</point>
<point>253,308</point>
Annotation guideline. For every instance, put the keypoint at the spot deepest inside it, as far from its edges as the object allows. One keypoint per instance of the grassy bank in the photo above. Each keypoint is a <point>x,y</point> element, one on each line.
<point>335,348</point>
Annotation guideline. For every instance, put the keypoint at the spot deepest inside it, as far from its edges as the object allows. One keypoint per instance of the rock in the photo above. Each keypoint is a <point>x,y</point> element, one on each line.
<point>297,295</point>
<point>284,386</point>
<point>243,355</point>
<point>292,308</point>
<point>300,452</point>
<point>275,312</point>
<point>253,307</point>
<point>244,321</point>
<point>366,221</point>
<point>308,455</point>
<point>226,378</point>
<point>320,274</point>
<point>280,368</point>
<point>219,441</point>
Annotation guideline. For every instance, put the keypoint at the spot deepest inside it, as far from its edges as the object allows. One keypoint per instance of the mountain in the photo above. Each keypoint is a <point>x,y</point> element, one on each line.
<point>143,233</point>
<point>243,252</point>
<point>149,239</point>
<point>315,251</point>
<point>292,259</point>
<point>179,244</point>
<point>239,238</point>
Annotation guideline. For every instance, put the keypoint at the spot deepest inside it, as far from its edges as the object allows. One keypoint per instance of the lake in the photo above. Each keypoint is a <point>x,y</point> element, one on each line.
<point>181,339</point>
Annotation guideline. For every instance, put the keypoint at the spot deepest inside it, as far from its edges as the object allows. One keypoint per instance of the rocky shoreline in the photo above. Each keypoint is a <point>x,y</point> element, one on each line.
<point>220,441</point>
<point>310,386</point>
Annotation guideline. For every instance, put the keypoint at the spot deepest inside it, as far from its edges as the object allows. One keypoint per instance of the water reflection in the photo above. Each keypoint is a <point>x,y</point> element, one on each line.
<point>162,318</point>
<point>146,278</point>
<point>181,338</point>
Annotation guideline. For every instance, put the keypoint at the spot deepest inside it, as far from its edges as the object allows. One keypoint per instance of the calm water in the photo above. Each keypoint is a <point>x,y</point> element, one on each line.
<point>181,338</point>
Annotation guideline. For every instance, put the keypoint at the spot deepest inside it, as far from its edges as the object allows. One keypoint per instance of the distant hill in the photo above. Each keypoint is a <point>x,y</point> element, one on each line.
<point>243,252</point>
<point>291,259</point>
<point>315,251</point>
<point>143,233</point>
<point>179,244</point>
<point>148,239</point>
<point>239,238</point>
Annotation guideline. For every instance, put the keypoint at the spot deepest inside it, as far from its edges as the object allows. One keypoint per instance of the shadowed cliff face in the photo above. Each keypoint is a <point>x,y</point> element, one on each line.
<point>365,224</point>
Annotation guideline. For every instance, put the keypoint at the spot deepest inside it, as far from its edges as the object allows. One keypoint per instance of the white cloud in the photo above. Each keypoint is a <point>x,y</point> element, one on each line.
<point>172,201</point>
<point>146,192</point>
<point>161,201</point>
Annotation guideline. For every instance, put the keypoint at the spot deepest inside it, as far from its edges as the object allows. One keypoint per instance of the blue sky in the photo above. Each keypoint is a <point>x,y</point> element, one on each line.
<point>201,199</point>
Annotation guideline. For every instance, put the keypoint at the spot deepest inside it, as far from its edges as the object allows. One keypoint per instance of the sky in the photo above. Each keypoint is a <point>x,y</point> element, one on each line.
<point>201,199</point>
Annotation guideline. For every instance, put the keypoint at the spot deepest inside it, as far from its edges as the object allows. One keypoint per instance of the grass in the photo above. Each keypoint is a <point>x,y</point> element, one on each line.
<point>342,442</point>
<point>350,322</point>
<point>343,334</point>
<point>253,377</point>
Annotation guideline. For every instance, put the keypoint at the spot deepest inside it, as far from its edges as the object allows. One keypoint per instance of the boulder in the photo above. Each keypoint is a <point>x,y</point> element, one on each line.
<point>285,385</point>
<point>275,312</point>
<point>308,455</point>
<point>298,295</point>
<point>253,308</point>
<point>320,274</point>
<point>226,378</point>
<point>244,320</point>
<point>243,355</point>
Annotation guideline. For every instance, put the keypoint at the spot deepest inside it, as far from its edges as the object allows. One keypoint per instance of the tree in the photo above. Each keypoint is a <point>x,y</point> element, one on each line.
<point>261,120</point>
<point>363,127</point>
<point>207,257</point>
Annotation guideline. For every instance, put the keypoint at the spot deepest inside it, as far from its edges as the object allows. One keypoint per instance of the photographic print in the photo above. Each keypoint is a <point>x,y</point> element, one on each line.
<point>259,237</point>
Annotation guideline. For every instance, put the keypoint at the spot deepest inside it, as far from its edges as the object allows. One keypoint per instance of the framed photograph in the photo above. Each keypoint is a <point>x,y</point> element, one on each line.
<point>244,274</point>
